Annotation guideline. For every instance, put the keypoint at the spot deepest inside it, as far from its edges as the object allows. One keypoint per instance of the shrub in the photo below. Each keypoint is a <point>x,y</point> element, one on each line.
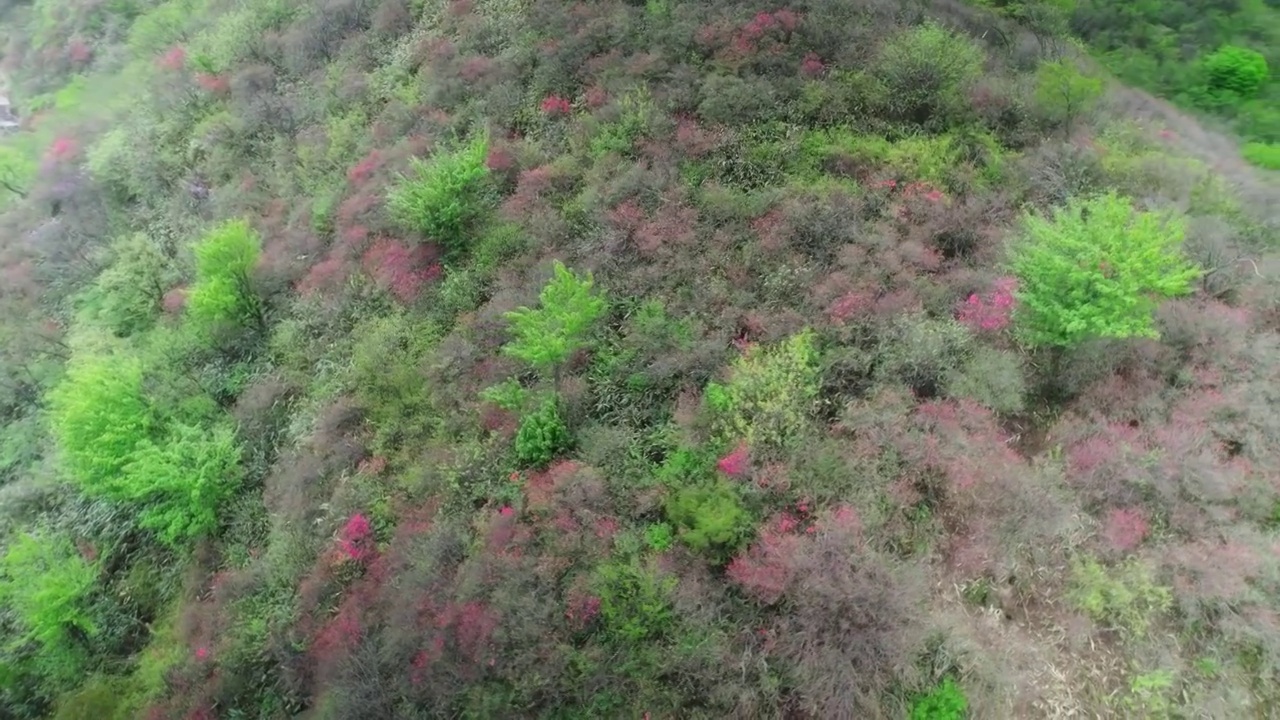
<point>770,395</point>
<point>919,350</point>
<point>1235,70</point>
<point>635,600</point>
<point>945,702</point>
<point>542,436</point>
<point>993,378</point>
<point>928,71</point>
<point>1125,597</point>
<point>710,517</point>
<point>1264,155</point>
<point>1097,268</point>
<point>223,291</point>
<point>546,336</point>
<point>442,198</point>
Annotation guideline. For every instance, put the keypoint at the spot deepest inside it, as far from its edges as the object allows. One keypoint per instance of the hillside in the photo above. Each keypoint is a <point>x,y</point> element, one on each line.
<point>666,359</point>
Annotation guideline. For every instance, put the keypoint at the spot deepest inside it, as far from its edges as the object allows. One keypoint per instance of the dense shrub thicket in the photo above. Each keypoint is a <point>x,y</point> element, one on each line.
<point>471,358</point>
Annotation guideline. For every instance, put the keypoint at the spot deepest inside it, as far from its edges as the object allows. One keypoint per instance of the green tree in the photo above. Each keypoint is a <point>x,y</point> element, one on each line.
<point>1064,93</point>
<point>181,481</point>
<point>129,292</point>
<point>1097,268</point>
<point>546,336</point>
<point>442,198</point>
<point>46,583</point>
<point>1236,70</point>
<point>223,291</point>
<point>100,418</point>
<point>117,445</point>
<point>710,516</point>
<point>542,435</point>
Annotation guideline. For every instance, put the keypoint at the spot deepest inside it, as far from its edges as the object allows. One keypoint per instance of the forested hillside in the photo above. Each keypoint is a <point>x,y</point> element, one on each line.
<point>673,359</point>
<point>1214,57</point>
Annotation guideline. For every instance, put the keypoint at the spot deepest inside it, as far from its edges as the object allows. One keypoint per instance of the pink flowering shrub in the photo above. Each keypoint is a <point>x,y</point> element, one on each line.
<point>812,66</point>
<point>737,464</point>
<point>1126,528</point>
<point>356,539</point>
<point>400,269</point>
<point>555,106</point>
<point>174,59</point>
<point>992,311</point>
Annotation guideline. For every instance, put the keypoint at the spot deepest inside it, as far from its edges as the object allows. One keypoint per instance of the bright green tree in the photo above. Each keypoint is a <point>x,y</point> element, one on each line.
<point>546,336</point>
<point>16,170</point>
<point>223,291</point>
<point>441,198</point>
<point>117,445</point>
<point>181,481</point>
<point>100,418</point>
<point>1236,70</point>
<point>46,583</point>
<point>1097,268</point>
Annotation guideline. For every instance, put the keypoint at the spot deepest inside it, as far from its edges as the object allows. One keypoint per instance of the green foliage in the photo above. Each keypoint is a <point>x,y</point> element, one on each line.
<point>129,292</point>
<point>542,435</point>
<point>1097,268</point>
<point>659,536</point>
<point>1125,597</point>
<point>1236,70</point>
<point>1065,94</point>
<point>945,702</point>
<point>387,356</point>
<point>16,171</point>
<point>47,584</point>
<point>636,110</point>
<point>100,418</point>
<point>635,600</point>
<point>182,480</point>
<point>508,394</point>
<point>1264,155</point>
<point>1151,694</point>
<point>710,517</point>
<point>223,291</point>
<point>919,350</point>
<point>546,336</point>
<point>442,198</point>
<point>927,70</point>
<point>770,395</point>
<point>117,444</point>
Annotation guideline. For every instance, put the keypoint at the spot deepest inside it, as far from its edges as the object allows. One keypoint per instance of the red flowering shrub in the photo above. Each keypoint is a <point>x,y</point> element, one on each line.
<point>214,84</point>
<point>79,52</point>
<point>555,106</point>
<point>174,59</point>
<point>356,539</point>
<point>768,567</point>
<point>992,311</point>
<point>1126,528</point>
<point>737,463</point>
<point>401,269</point>
<point>363,170</point>
<point>812,66</point>
<point>174,300</point>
